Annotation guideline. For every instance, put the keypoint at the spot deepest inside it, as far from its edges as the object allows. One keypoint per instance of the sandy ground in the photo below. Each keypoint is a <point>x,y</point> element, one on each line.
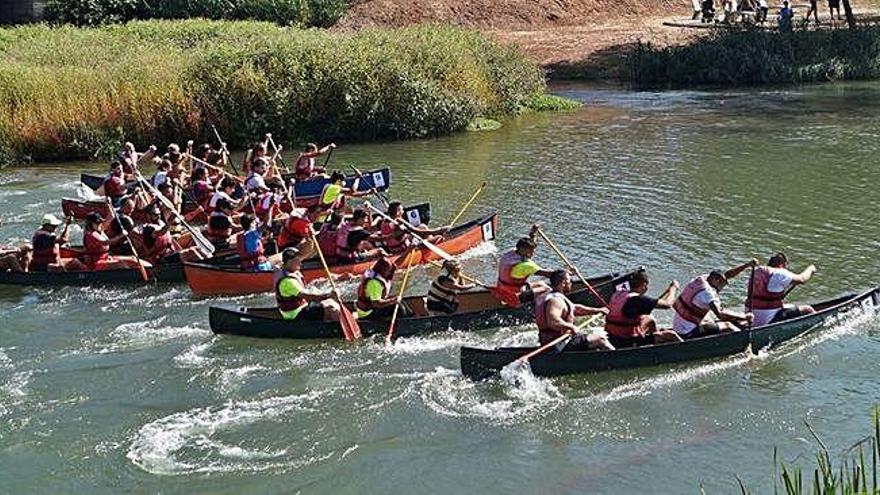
<point>554,32</point>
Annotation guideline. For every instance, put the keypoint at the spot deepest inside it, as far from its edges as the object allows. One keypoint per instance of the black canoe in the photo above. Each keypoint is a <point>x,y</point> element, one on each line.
<point>379,178</point>
<point>479,364</point>
<point>478,310</point>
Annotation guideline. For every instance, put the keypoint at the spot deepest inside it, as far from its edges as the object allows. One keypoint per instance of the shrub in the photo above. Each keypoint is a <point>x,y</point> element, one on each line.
<point>65,92</point>
<point>321,13</point>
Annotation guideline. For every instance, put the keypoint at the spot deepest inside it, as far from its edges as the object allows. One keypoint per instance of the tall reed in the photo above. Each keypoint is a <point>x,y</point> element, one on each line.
<point>70,92</point>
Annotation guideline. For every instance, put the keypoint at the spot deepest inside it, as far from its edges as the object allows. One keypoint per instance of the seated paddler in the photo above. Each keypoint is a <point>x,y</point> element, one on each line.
<point>295,302</point>
<point>699,298</point>
<point>514,269</point>
<point>443,296</point>
<point>555,315</point>
<point>768,287</point>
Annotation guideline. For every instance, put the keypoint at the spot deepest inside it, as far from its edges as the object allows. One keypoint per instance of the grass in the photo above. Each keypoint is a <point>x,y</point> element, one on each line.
<point>753,57</point>
<point>852,474</point>
<point>69,92</point>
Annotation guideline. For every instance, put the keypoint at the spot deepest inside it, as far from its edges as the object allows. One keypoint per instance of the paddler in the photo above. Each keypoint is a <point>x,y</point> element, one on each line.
<point>354,239</point>
<point>305,163</point>
<point>295,230</point>
<point>514,269</point>
<point>97,247</point>
<point>555,315</point>
<point>397,238</point>
<point>374,299</point>
<point>15,259</point>
<point>295,302</point>
<point>443,295</point>
<point>249,245</point>
<point>629,322</point>
<point>699,298</point>
<point>114,185</point>
<point>220,225</point>
<point>46,247</point>
<point>769,286</point>
<point>334,193</point>
<point>256,180</point>
<point>160,247</point>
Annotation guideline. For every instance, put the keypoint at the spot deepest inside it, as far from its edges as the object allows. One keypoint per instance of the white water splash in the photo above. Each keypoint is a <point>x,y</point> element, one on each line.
<point>13,389</point>
<point>193,358</point>
<point>145,334</point>
<point>448,393</point>
<point>185,442</point>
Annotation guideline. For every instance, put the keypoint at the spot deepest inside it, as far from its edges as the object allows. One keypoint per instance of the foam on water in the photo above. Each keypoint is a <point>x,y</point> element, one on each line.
<point>426,344</point>
<point>13,388</point>
<point>186,442</point>
<point>448,393</point>
<point>143,335</point>
<point>193,357</point>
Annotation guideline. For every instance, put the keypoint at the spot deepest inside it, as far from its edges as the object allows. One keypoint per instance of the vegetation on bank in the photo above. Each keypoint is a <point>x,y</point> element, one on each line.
<point>72,92</point>
<point>755,56</point>
<point>855,473</point>
<point>321,13</point>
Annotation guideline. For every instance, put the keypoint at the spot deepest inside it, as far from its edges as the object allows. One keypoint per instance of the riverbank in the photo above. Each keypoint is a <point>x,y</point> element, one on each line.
<point>78,92</point>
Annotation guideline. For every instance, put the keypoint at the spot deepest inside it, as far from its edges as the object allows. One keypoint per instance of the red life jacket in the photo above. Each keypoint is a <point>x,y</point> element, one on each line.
<point>248,260</point>
<point>507,288</point>
<point>685,306</point>
<point>287,303</point>
<point>545,333</point>
<point>342,236</point>
<point>363,302</point>
<point>163,247</point>
<point>97,249</point>
<point>394,238</point>
<point>327,241</point>
<point>305,167</point>
<point>202,193</point>
<point>616,323</point>
<point>293,232</point>
<point>761,297</point>
<point>46,251</point>
<point>262,211</point>
<point>114,187</point>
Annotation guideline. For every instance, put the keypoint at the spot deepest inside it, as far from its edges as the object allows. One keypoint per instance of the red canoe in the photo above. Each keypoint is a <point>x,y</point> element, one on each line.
<point>211,280</point>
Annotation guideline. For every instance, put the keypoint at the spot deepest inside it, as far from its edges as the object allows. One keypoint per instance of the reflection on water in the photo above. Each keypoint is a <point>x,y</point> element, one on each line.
<point>112,387</point>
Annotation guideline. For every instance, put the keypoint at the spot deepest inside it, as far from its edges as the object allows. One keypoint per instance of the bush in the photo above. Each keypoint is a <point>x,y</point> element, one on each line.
<point>65,92</point>
<point>320,13</point>
<point>752,56</point>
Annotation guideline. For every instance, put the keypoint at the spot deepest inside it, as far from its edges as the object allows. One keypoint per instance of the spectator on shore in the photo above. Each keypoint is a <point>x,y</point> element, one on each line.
<point>832,6</point>
<point>814,9</point>
<point>763,9</point>
<point>786,13</point>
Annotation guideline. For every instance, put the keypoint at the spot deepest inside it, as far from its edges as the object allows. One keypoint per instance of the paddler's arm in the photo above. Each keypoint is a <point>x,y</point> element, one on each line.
<point>148,155</point>
<point>733,272</point>
<point>581,310</point>
<point>729,315</point>
<point>554,311</point>
<point>374,294</point>
<point>804,276</point>
<point>63,238</point>
<point>667,299</point>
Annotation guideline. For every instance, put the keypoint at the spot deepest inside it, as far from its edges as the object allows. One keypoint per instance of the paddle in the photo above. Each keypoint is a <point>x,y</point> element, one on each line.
<point>224,149</point>
<point>405,225</point>
<point>275,148</point>
<point>571,266</point>
<point>390,333</point>
<point>141,269</point>
<point>219,169</point>
<point>350,328</point>
<point>200,239</point>
<point>511,368</point>
<point>329,154</point>
<point>751,291</point>
<point>373,189</point>
<point>468,204</point>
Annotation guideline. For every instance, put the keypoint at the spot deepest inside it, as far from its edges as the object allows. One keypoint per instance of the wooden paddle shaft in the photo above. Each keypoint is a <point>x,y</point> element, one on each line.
<point>134,250</point>
<point>224,149</point>
<point>400,292</point>
<point>468,204</point>
<point>571,266</point>
<point>555,341</point>
<point>431,246</point>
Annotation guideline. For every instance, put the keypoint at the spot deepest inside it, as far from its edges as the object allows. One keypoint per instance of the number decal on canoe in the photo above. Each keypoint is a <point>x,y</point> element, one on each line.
<point>378,179</point>
<point>413,217</point>
<point>488,231</point>
<point>622,286</point>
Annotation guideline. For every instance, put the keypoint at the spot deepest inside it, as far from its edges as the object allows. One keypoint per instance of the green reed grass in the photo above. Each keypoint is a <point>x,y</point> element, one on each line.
<point>851,474</point>
<point>70,92</point>
<point>753,56</point>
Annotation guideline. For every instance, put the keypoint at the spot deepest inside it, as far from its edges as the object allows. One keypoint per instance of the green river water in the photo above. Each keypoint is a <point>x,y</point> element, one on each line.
<point>126,390</point>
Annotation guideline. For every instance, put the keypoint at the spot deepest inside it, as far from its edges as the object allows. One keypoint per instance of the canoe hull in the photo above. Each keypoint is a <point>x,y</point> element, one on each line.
<point>479,364</point>
<point>480,310</point>
<point>208,280</point>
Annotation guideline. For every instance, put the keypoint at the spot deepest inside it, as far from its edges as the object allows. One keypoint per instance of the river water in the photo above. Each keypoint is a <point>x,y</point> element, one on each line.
<point>112,390</point>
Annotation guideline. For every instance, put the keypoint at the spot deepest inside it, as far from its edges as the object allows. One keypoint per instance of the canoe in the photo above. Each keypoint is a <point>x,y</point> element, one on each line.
<point>379,178</point>
<point>80,208</point>
<point>210,280</point>
<point>478,309</point>
<point>479,364</point>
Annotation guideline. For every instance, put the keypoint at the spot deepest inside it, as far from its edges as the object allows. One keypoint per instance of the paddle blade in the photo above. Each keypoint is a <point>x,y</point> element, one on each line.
<point>350,328</point>
<point>514,373</point>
